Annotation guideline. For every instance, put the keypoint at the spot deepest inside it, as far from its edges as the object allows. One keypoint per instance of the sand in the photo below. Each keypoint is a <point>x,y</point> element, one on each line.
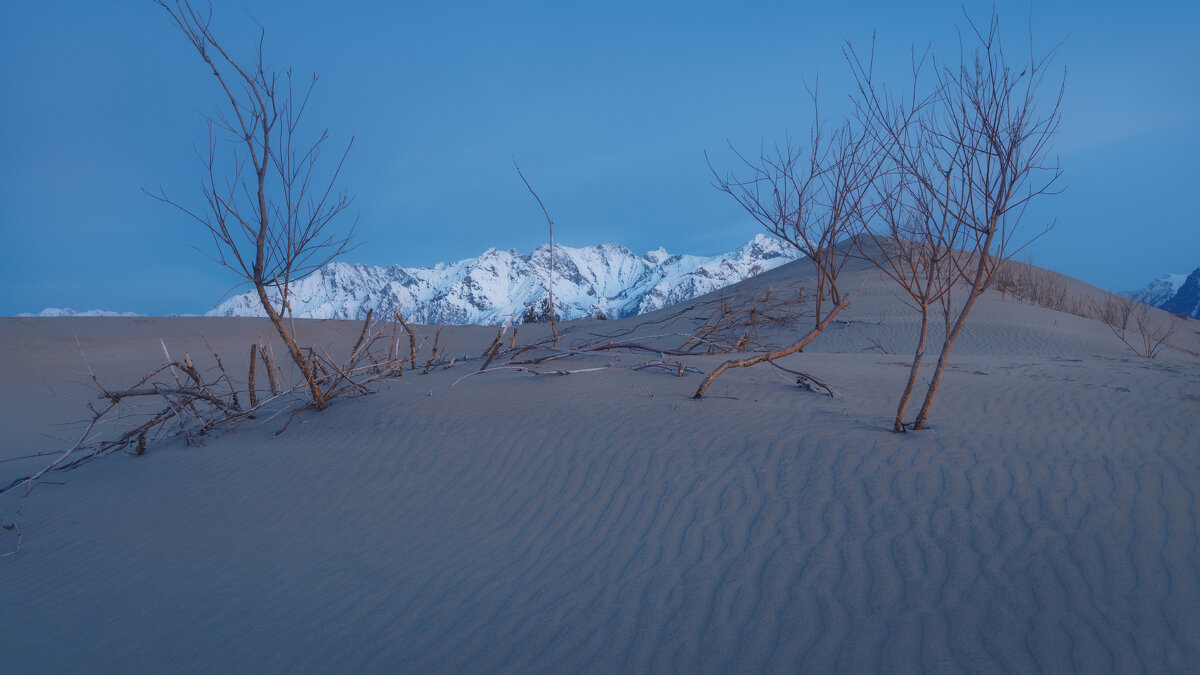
<point>605,522</point>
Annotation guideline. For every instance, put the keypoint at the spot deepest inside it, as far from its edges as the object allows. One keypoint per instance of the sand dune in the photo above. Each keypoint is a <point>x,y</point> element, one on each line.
<point>606,522</point>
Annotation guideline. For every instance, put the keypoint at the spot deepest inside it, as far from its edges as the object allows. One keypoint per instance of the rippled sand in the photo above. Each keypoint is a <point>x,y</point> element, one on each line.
<point>606,522</point>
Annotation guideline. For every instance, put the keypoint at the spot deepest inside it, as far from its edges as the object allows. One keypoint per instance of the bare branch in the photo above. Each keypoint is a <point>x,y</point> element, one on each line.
<point>550,222</point>
<point>967,149</point>
<point>269,217</point>
<point>813,199</point>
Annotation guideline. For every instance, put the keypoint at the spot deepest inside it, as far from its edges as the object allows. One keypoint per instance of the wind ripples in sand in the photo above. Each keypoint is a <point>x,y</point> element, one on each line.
<point>610,550</point>
<point>651,534</point>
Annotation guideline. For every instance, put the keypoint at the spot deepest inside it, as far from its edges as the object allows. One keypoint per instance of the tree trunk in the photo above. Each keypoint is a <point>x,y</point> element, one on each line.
<point>977,288</point>
<point>293,348</point>
<point>898,426</point>
<point>550,288</point>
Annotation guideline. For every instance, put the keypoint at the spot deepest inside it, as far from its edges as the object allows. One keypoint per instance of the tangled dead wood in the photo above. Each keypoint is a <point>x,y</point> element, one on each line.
<point>724,325</point>
<point>1145,330</point>
<point>176,399</point>
<point>734,326</point>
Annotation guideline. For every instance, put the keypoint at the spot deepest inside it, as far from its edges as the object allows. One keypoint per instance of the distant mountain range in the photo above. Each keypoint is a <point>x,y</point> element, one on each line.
<point>67,311</point>
<point>1175,293</point>
<point>606,279</point>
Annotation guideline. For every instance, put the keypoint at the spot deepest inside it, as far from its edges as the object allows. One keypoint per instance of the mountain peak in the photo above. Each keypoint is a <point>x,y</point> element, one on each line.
<point>1176,293</point>
<point>604,278</point>
<point>656,256</point>
<point>67,311</point>
<point>1186,300</point>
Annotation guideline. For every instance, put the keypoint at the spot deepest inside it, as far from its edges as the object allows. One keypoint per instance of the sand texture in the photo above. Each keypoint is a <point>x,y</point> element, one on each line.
<point>605,522</point>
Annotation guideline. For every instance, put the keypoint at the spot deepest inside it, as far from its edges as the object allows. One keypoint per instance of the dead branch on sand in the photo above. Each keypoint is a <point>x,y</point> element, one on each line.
<point>179,399</point>
<point>734,326</point>
<point>13,527</point>
<point>811,198</point>
<point>724,325</point>
<point>176,399</point>
<point>806,381</point>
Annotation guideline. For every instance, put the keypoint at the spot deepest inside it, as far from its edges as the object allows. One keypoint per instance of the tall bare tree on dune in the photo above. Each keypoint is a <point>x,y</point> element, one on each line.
<point>813,198</point>
<point>914,245</point>
<point>969,156</point>
<point>270,212</point>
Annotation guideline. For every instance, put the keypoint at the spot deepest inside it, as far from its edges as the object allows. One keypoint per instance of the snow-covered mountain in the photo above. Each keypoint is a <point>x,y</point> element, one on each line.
<point>1186,300</point>
<point>607,278</point>
<point>1176,293</point>
<point>67,311</point>
<point>1158,291</point>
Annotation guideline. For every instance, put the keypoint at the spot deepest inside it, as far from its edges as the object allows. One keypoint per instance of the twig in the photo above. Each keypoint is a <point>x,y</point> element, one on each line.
<point>266,359</point>
<point>434,351</point>
<point>221,367</point>
<point>550,222</point>
<point>14,527</point>
<point>679,368</point>
<point>412,341</point>
<point>536,372</point>
<point>36,454</point>
<point>295,412</point>
<point>67,453</point>
<point>806,380</point>
<point>250,376</point>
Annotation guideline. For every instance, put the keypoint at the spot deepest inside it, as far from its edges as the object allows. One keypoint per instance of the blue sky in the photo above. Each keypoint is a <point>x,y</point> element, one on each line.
<point>609,108</point>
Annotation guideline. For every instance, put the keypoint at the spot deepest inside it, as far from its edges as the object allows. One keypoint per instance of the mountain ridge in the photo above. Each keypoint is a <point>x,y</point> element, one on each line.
<point>1175,293</point>
<point>604,279</point>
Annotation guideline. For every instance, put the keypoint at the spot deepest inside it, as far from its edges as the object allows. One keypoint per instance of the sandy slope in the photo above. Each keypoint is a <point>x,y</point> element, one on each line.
<point>605,522</point>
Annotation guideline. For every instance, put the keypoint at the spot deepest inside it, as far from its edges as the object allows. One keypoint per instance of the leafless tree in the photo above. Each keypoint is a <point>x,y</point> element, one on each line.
<point>270,212</point>
<point>972,154</point>
<point>1155,331</point>
<point>1152,333</point>
<point>550,284</point>
<point>813,199</point>
<point>1114,311</point>
<point>913,245</point>
<point>913,237</point>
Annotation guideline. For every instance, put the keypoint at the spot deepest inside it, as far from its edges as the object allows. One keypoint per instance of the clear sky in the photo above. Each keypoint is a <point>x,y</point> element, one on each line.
<point>608,106</point>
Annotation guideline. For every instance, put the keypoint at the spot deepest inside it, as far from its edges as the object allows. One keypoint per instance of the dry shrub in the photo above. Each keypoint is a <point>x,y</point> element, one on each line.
<point>734,325</point>
<point>1038,286</point>
<point>1142,328</point>
<point>181,399</point>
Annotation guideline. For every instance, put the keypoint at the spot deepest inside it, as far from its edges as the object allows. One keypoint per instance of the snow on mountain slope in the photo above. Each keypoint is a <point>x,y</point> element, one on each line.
<point>1158,291</point>
<point>67,311</point>
<point>1186,300</point>
<point>607,278</point>
<point>1176,293</point>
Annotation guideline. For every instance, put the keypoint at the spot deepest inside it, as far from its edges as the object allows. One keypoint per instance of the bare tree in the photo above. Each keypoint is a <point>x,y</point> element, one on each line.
<point>813,199</point>
<point>1155,331</point>
<point>914,237</point>
<point>1153,334</point>
<point>269,213</point>
<point>550,285</point>
<point>975,153</point>
<point>914,248</point>
<point>1115,311</point>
